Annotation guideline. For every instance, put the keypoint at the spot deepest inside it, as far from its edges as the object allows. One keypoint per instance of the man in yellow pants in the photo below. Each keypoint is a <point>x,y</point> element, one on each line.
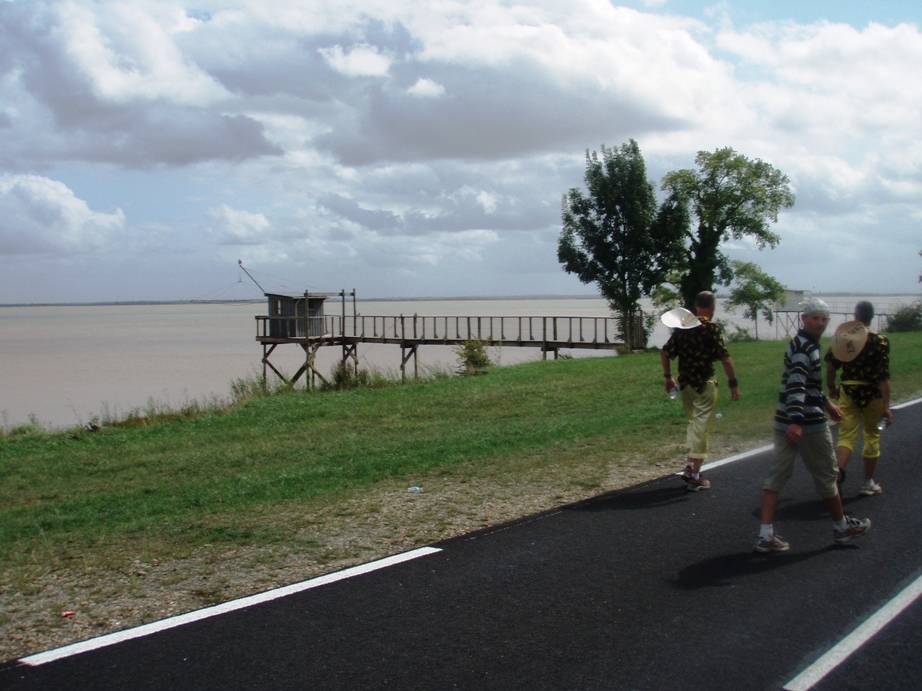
<point>864,394</point>
<point>698,343</point>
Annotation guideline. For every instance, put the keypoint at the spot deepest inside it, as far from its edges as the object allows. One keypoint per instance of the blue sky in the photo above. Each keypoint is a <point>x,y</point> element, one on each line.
<point>409,149</point>
<point>858,13</point>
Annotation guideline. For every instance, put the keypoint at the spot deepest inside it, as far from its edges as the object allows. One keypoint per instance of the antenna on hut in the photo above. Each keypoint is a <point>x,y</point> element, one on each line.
<point>240,261</point>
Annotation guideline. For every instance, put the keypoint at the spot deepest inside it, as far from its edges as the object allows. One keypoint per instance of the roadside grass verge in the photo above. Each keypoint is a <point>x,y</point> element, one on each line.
<point>245,474</point>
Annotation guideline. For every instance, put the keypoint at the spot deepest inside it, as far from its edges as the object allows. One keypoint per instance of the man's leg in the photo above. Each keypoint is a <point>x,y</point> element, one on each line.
<point>848,434</point>
<point>819,457</point>
<point>834,506</point>
<point>770,500</point>
<point>843,454</point>
<point>699,409</point>
<point>780,472</point>
<point>870,415</point>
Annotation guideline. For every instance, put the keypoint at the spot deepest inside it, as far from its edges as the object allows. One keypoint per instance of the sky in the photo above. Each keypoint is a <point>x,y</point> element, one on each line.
<point>421,148</point>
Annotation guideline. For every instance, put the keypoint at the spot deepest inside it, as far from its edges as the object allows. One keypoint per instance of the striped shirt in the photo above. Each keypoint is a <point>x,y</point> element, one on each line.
<point>800,398</point>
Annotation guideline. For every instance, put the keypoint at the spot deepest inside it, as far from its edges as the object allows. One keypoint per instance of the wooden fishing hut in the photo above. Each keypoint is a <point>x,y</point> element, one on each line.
<point>299,319</point>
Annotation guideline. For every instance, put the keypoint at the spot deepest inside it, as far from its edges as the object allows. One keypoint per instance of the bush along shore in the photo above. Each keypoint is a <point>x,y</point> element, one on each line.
<point>124,522</point>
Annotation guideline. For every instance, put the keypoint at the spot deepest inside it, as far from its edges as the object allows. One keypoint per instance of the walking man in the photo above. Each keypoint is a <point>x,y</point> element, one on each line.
<point>698,343</point>
<point>864,394</point>
<point>801,427</point>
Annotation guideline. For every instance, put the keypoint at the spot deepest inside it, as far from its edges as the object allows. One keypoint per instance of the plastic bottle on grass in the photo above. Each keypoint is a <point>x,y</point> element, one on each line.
<point>674,393</point>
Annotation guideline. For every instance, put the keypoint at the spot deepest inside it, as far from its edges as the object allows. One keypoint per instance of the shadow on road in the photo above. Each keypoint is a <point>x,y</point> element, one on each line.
<point>726,570</point>
<point>640,497</point>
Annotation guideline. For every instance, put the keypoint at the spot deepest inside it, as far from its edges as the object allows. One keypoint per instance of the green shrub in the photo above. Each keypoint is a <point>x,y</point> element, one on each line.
<point>908,318</point>
<point>472,358</point>
<point>347,376</point>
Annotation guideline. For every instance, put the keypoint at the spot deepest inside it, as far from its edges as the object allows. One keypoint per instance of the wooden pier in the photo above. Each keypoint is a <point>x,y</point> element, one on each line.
<point>549,334</point>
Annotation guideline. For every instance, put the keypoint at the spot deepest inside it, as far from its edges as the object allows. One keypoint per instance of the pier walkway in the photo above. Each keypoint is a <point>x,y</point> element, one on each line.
<point>550,334</point>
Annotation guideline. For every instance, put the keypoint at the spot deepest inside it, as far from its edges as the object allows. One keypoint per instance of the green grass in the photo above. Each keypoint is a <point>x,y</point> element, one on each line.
<point>223,478</point>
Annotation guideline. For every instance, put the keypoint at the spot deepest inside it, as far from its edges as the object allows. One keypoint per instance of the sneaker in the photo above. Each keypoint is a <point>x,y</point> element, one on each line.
<point>697,485</point>
<point>773,544</point>
<point>854,527</point>
<point>687,474</point>
<point>870,488</point>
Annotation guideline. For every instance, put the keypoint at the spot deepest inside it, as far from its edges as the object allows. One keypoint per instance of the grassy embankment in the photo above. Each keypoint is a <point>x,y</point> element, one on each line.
<point>96,500</point>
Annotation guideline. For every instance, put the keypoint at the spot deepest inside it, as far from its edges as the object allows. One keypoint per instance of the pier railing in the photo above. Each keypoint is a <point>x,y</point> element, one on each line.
<point>548,332</point>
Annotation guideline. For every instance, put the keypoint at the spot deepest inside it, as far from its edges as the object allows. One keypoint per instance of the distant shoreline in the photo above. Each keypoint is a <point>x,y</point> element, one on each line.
<point>259,301</point>
<point>471,298</point>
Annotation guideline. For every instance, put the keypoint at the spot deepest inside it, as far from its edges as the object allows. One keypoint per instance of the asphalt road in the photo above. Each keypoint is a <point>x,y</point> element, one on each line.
<point>649,587</point>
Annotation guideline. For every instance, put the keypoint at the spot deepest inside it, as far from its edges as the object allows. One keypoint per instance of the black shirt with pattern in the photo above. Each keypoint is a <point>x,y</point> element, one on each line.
<point>697,349</point>
<point>872,366</point>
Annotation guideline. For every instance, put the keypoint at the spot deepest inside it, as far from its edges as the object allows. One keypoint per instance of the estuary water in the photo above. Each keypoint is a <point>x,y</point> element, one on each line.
<point>63,366</point>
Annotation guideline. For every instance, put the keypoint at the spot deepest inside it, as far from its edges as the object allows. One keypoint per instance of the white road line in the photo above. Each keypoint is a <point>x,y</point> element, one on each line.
<point>832,659</point>
<point>733,459</point>
<point>836,655</point>
<point>752,452</point>
<point>737,457</point>
<point>811,676</point>
<point>233,605</point>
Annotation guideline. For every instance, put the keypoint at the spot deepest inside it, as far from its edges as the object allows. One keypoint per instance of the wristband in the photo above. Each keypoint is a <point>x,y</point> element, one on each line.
<point>668,375</point>
<point>734,384</point>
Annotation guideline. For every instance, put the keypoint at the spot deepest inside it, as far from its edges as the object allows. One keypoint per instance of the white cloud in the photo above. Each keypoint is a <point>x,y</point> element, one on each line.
<point>361,61</point>
<point>237,227</point>
<point>43,216</point>
<point>126,54</point>
<point>487,201</point>
<point>426,88</point>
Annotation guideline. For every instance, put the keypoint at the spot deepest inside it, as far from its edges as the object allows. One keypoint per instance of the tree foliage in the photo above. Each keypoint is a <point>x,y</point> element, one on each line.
<point>614,236</point>
<point>907,318</point>
<point>756,291</point>
<point>729,196</point>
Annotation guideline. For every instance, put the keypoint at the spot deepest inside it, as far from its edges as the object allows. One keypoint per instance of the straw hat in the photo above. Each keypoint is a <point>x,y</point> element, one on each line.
<point>680,318</point>
<point>848,340</point>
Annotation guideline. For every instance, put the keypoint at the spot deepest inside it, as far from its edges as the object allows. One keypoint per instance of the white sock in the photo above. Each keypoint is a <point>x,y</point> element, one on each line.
<point>840,525</point>
<point>767,531</point>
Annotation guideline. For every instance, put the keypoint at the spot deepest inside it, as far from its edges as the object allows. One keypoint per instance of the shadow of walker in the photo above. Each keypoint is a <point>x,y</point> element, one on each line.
<point>726,570</point>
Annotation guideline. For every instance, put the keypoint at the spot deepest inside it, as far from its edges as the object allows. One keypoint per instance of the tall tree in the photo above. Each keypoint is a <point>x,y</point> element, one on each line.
<point>612,237</point>
<point>730,197</point>
<point>756,291</point>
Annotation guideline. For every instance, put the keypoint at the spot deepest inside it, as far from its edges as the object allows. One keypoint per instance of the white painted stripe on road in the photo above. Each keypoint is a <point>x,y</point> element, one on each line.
<point>733,459</point>
<point>737,457</point>
<point>233,605</point>
<point>857,638</point>
<point>753,452</point>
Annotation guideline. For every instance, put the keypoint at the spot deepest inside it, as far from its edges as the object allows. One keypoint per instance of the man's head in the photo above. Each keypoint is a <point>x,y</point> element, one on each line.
<point>864,312</point>
<point>814,317</point>
<point>705,304</point>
